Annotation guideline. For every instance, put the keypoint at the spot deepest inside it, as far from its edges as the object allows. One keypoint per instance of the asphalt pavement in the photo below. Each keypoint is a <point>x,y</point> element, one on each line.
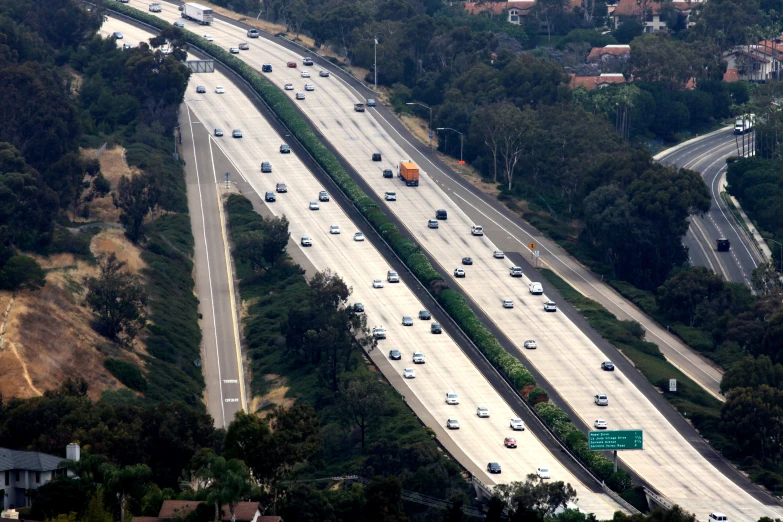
<point>707,156</point>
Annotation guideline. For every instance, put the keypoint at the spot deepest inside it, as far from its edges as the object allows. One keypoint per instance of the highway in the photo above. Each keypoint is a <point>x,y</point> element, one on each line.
<point>221,354</point>
<point>567,357</point>
<point>478,441</point>
<point>708,157</point>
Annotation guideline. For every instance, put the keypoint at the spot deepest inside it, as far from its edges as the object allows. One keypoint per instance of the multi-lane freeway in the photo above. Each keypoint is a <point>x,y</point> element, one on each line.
<point>708,156</point>
<point>674,461</point>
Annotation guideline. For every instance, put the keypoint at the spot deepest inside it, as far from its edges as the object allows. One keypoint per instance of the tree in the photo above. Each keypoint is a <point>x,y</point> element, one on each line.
<point>250,247</point>
<point>752,372</point>
<point>135,197</point>
<point>536,495</point>
<point>754,417</point>
<point>659,58</point>
<point>229,483</point>
<point>22,272</point>
<point>96,511</point>
<point>681,295</point>
<point>362,397</point>
<point>124,481</point>
<point>118,298</point>
<point>275,240</point>
<point>727,20</point>
<point>766,280</point>
<point>384,500</point>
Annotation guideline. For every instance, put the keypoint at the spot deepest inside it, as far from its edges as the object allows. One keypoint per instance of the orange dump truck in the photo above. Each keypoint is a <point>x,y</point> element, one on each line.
<point>409,173</point>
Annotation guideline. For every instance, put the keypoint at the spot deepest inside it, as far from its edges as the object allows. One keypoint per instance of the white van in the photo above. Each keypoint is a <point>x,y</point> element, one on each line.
<point>718,517</point>
<point>536,288</point>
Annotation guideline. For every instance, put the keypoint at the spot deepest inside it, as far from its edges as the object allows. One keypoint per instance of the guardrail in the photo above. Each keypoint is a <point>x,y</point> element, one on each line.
<point>622,502</point>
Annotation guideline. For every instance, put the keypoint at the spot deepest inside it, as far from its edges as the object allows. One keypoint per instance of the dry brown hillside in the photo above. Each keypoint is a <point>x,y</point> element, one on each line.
<point>45,336</point>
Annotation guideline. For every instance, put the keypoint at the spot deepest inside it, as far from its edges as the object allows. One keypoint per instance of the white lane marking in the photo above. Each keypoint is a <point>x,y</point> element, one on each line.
<point>209,270</point>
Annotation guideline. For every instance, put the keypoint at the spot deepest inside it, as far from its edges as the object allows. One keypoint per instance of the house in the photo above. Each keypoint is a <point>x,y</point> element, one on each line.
<point>649,13</point>
<point>596,82</point>
<point>609,52</point>
<point>513,11</point>
<point>22,471</point>
<point>756,62</point>
<point>243,512</point>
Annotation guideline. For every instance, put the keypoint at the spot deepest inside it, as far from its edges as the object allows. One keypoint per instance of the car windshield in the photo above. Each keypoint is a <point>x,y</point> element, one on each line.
<point>543,470</point>
<point>601,397</point>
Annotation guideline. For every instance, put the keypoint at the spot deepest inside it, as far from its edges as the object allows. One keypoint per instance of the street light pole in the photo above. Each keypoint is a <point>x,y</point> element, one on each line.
<point>375,65</point>
<point>781,253</point>
<point>461,142</point>
<point>430,109</point>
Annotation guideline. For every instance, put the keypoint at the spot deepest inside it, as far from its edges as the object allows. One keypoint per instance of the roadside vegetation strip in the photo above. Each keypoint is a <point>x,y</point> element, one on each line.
<point>409,252</point>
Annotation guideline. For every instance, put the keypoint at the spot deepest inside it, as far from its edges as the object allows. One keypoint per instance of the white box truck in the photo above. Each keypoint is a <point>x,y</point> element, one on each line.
<point>197,13</point>
<point>744,123</point>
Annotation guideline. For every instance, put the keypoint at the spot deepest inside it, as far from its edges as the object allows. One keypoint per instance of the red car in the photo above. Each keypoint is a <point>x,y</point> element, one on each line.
<point>292,64</point>
<point>510,442</point>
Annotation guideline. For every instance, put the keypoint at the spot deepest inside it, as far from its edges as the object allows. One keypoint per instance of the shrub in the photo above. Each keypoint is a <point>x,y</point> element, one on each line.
<point>22,272</point>
<point>127,374</point>
<point>538,395</point>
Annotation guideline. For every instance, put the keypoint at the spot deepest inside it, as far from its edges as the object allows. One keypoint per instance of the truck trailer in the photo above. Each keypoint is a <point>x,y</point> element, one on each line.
<point>409,173</point>
<point>197,13</point>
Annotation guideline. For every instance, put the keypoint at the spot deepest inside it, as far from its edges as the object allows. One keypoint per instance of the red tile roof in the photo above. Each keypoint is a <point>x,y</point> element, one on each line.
<point>175,508</point>
<point>592,82</point>
<point>631,8</point>
<point>243,511</point>
<point>616,50</point>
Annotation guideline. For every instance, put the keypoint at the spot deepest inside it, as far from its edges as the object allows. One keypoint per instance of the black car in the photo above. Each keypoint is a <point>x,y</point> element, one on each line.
<point>201,89</point>
<point>387,173</point>
<point>267,67</point>
<point>607,366</point>
<point>435,328</point>
<point>270,197</point>
<point>424,315</point>
<point>467,260</point>
<point>395,355</point>
<point>266,166</point>
<point>493,467</point>
<point>358,308</point>
<point>307,61</point>
<point>285,149</point>
<point>376,156</point>
<point>441,214</point>
<point>280,187</point>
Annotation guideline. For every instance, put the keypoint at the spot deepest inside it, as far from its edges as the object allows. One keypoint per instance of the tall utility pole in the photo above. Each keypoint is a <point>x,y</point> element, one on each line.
<point>430,109</point>
<point>375,66</point>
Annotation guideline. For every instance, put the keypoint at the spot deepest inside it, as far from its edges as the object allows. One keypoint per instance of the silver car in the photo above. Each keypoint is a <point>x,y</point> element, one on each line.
<point>601,399</point>
<point>482,412</point>
<point>452,424</point>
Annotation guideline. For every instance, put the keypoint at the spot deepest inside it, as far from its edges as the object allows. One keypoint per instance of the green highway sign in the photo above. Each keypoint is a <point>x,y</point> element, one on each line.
<point>616,440</point>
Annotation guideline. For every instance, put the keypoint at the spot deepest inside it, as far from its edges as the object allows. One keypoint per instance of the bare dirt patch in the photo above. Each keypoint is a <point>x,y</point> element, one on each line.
<point>113,168</point>
<point>275,397</point>
<point>419,127</point>
<point>114,240</point>
<point>48,339</point>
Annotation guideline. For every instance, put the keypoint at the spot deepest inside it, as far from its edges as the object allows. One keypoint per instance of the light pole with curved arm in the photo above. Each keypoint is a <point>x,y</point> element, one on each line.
<point>461,141</point>
<point>430,109</point>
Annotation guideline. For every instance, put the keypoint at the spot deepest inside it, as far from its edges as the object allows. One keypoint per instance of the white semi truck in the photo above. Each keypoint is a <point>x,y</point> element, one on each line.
<point>197,13</point>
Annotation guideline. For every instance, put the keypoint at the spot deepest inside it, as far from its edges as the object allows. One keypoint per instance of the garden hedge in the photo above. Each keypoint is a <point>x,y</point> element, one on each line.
<point>410,253</point>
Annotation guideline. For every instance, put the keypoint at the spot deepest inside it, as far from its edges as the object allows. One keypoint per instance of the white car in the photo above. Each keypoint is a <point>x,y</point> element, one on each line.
<point>515,271</point>
<point>508,303</point>
<point>600,424</point>
<point>477,230</point>
<point>390,196</point>
<point>305,74</point>
<point>233,50</point>
<point>535,288</point>
<point>459,272</point>
<point>300,96</point>
<point>377,283</point>
<point>452,398</point>
<point>220,90</point>
<point>517,425</point>
<point>309,87</point>
<point>483,412</point>
<point>289,87</point>
<point>452,424</point>
<point>334,229</point>
<point>208,37</point>
<point>409,373</point>
<point>418,357</point>
<point>531,344</point>
<point>306,241</point>
<point>550,306</point>
<point>379,332</point>
<point>392,276</point>
<point>358,236</point>
<point>543,473</point>
<point>498,254</point>
<point>314,205</point>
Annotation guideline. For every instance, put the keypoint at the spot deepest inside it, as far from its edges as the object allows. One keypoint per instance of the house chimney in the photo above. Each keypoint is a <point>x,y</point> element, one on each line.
<point>73,452</point>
